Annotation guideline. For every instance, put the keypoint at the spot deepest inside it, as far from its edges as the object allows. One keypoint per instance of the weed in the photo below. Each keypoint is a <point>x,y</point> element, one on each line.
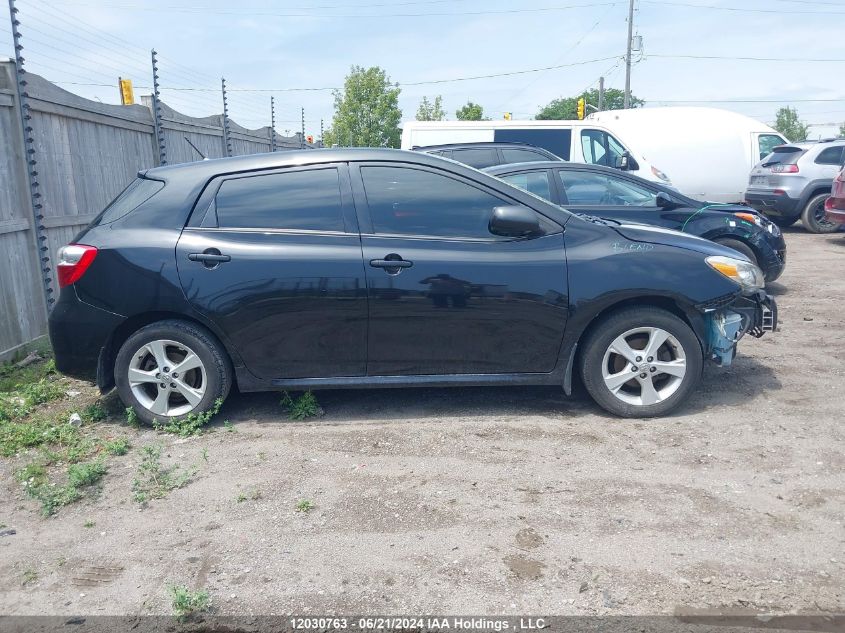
<point>60,561</point>
<point>132,418</point>
<point>32,475</point>
<point>119,446</point>
<point>52,496</point>
<point>191,423</point>
<point>94,412</point>
<point>187,602</point>
<point>154,481</point>
<point>241,497</point>
<point>29,576</point>
<point>304,505</point>
<point>89,524</point>
<point>79,475</point>
<point>305,406</point>
<point>228,426</point>
<point>204,454</point>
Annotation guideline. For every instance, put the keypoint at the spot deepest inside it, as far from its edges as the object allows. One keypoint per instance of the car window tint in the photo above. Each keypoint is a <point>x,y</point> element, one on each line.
<point>590,189</point>
<point>536,182</point>
<point>303,200</point>
<point>410,201</point>
<point>476,157</point>
<point>522,156</point>
<point>139,191</point>
<point>830,156</point>
<point>767,143</point>
<point>592,144</point>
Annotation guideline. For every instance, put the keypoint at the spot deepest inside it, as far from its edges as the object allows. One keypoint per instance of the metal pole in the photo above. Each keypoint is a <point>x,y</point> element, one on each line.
<point>302,135</point>
<point>272,125</point>
<point>628,55</point>
<point>321,132</point>
<point>227,142</point>
<point>35,198</point>
<point>601,94</point>
<point>159,132</point>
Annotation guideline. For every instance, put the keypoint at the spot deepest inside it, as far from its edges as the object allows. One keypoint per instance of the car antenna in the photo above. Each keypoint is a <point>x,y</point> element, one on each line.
<point>188,141</point>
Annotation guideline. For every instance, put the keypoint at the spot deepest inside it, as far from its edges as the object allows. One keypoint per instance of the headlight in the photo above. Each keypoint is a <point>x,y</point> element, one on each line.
<point>759,220</point>
<point>742,272</point>
<point>661,175</point>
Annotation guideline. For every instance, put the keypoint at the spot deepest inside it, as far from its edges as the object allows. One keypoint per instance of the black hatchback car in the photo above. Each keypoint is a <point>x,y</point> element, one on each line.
<point>611,194</point>
<point>381,268</point>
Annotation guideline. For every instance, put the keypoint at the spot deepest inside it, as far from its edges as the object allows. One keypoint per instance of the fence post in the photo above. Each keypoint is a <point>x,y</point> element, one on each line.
<point>43,250</point>
<point>272,125</point>
<point>159,132</point>
<point>321,133</point>
<point>302,135</point>
<point>227,143</point>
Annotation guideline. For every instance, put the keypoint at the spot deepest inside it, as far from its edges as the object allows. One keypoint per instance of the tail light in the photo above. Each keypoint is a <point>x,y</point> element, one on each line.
<point>837,195</point>
<point>780,168</point>
<point>74,260</point>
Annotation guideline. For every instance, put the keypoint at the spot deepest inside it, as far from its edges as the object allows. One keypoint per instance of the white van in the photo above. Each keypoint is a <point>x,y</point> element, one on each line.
<point>709,152</point>
<point>577,141</point>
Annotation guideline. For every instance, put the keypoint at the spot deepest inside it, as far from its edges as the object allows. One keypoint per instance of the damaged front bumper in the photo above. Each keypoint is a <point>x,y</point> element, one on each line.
<point>755,314</point>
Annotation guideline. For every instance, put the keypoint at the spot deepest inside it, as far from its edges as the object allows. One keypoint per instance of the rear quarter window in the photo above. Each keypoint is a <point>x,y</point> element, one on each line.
<point>830,156</point>
<point>137,193</point>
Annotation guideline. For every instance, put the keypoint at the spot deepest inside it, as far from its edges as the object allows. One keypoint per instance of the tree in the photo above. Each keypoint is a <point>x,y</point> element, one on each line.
<point>470,112</point>
<point>566,107</point>
<point>366,112</point>
<point>842,130</point>
<point>429,111</point>
<point>788,124</point>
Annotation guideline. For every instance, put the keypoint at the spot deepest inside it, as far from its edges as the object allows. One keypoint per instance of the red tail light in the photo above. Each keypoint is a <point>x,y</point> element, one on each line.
<point>74,260</point>
<point>780,168</point>
<point>837,195</point>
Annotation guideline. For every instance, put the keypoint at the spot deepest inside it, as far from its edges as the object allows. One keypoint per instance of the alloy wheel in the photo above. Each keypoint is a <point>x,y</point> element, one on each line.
<point>644,366</point>
<point>167,378</point>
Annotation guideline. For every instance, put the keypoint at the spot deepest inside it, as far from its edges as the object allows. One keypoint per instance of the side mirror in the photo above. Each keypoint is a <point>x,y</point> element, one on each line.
<point>514,221</point>
<point>622,162</point>
<point>664,201</point>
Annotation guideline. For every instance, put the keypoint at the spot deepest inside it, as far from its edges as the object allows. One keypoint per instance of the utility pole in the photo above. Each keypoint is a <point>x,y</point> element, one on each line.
<point>272,124</point>
<point>628,55</point>
<point>302,132</point>
<point>601,94</point>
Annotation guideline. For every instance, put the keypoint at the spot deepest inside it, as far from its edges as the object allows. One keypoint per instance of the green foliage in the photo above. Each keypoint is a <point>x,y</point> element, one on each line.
<point>788,124</point>
<point>429,111</point>
<point>192,423</point>
<point>366,111</point>
<point>470,112</point>
<point>186,602</point>
<point>154,481</point>
<point>842,130</point>
<point>23,398</point>
<point>565,108</point>
<point>119,446</point>
<point>29,576</point>
<point>94,413</point>
<point>68,440</point>
<point>305,406</point>
<point>89,524</point>
<point>132,418</point>
<point>79,476</point>
<point>304,505</point>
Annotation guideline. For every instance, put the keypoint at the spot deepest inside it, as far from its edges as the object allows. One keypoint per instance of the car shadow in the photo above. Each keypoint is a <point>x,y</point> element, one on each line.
<point>776,288</point>
<point>739,384</point>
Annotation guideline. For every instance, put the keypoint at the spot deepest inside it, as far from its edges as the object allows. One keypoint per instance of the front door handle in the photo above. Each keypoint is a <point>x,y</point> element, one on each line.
<point>210,257</point>
<point>390,263</point>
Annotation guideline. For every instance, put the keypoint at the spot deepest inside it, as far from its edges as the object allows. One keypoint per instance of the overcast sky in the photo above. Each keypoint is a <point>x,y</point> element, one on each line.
<point>312,43</point>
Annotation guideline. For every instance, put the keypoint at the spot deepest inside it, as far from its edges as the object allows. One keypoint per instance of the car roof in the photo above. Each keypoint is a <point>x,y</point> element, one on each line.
<point>546,164</point>
<point>205,169</point>
<point>482,144</point>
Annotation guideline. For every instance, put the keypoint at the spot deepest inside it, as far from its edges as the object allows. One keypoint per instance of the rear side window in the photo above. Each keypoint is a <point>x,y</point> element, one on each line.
<point>298,200</point>
<point>830,156</point>
<point>522,156</point>
<point>137,193</point>
<point>408,201</point>
<point>536,182</point>
<point>478,158</point>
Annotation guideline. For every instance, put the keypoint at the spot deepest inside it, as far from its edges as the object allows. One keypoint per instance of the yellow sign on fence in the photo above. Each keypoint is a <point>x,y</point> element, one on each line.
<point>127,96</point>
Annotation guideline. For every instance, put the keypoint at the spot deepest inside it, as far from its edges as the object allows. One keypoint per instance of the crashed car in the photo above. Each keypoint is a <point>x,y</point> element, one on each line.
<point>347,268</point>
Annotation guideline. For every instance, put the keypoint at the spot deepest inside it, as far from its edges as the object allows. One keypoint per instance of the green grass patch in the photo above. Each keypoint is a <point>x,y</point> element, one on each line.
<point>186,602</point>
<point>192,423</point>
<point>304,505</point>
<point>301,408</point>
<point>117,446</point>
<point>153,480</point>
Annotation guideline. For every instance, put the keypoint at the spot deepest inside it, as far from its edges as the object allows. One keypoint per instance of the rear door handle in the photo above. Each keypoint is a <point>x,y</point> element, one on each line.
<point>209,257</point>
<point>390,263</point>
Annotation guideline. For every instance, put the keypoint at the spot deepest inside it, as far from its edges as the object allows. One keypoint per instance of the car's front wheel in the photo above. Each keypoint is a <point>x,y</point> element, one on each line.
<point>641,362</point>
<point>170,369</point>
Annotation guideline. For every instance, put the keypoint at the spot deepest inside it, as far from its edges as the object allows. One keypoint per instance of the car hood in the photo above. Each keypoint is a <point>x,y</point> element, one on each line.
<point>667,237</point>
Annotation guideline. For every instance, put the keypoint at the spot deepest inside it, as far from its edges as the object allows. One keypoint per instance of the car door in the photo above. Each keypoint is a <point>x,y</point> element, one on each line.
<point>273,259</point>
<point>605,194</point>
<point>445,295</point>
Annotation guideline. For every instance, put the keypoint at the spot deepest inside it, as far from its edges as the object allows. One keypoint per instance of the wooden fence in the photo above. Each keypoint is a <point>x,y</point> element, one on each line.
<point>86,153</point>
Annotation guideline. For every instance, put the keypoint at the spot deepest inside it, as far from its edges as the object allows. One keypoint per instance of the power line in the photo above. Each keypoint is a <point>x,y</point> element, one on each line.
<point>746,100</point>
<point>738,9</point>
<point>750,59</point>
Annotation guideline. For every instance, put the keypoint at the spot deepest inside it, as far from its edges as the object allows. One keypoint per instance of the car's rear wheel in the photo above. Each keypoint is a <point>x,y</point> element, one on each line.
<point>170,369</point>
<point>740,247</point>
<point>813,215</point>
<point>641,362</point>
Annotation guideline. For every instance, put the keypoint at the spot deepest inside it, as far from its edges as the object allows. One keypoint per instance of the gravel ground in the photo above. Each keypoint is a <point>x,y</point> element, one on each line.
<point>480,500</point>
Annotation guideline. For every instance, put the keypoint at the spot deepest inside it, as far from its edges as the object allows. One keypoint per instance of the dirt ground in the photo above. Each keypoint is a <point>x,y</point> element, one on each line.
<point>476,500</point>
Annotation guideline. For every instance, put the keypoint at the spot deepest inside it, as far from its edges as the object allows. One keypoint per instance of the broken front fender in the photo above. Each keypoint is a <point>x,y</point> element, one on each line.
<point>755,313</point>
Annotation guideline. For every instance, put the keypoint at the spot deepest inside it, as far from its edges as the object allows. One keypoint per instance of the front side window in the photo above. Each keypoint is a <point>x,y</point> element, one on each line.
<point>522,156</point>
<point>536,182</point>
<point>478,158</point>
<point>600,148</point>
<point>298,200</point>
<point>590,189</point>
<point>407,201</point>
<point>767,143</point>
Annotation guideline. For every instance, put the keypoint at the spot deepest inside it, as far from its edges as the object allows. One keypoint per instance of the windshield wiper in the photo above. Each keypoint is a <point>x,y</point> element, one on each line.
<point>595,219</point>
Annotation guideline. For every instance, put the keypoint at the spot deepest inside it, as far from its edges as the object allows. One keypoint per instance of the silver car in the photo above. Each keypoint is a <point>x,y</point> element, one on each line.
<point>794,181</point>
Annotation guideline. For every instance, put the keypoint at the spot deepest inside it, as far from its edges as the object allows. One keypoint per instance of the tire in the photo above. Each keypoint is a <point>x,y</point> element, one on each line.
<point>636,326</point>
<point>783,223</point>
<point>157,398</point>
<point>741,247</point>
<point>812,217</point>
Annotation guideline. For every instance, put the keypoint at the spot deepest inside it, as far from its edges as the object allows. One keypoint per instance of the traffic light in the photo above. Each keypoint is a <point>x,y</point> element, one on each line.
<point>508,116</point>
<point>310,139</point>
<point>127,96</point>
<point>582,108</point>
